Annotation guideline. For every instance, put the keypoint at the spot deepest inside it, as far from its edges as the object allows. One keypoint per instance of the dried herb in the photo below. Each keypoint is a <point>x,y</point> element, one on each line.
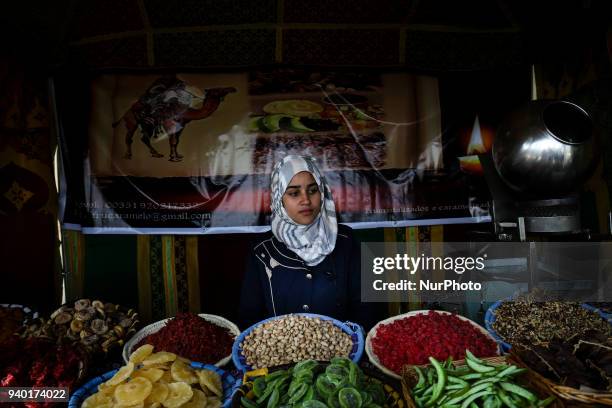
<point>527,321</point>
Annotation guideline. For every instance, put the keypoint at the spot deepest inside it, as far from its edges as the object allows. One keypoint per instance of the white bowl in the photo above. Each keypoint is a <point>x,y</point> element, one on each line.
<point>372,333</point>
<point>155,327</point>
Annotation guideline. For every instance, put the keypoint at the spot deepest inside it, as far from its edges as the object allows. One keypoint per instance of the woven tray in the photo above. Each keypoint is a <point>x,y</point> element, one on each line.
<point>564,392</point>
<point>155,327</point>
<point>410,378</point>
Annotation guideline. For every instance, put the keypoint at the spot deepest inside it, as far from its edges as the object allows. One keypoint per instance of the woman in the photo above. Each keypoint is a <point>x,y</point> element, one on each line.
<point>307,263</point>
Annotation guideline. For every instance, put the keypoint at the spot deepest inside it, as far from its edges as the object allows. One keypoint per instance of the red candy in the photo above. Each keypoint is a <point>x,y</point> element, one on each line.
<point>192,337</point>
<point>414,339</point>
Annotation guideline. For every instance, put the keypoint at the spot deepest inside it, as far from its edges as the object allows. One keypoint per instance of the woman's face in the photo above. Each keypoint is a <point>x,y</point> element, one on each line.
<point>302,198</point>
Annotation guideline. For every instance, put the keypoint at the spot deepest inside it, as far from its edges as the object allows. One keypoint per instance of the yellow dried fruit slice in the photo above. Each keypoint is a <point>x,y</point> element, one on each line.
<point>295,107</point>
<point>133,392</point>
<point>98,400</point>
<point>106,389</point>
<point>167,377</point>
<point>213,402</point>
<point>198,400</point>
<point>159,393</point>
<point>122,375</point>
<point>181,372</point>
<point>211,381</point>
<point>153,405</point>
<point>159,358</point>
<point>162,366</point>
<point>151,374</point>
<point>180,393</point>
<point>141,353</point>
<point>139,405</point>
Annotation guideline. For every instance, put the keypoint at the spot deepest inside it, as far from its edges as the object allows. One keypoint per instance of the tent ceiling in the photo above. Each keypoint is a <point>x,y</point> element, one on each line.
<point>419,34</point>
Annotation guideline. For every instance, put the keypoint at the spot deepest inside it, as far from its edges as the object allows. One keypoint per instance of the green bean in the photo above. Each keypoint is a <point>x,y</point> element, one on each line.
<point>520,391</point>
<point>440,383</point>
<point>474,397</point>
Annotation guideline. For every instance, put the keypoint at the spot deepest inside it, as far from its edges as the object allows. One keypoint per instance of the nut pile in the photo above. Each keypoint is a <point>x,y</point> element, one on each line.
<point>97,326</point>
<point>292,339</point>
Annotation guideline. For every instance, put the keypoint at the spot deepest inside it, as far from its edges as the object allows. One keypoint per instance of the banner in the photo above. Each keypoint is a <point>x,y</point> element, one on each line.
<point>193,152</point>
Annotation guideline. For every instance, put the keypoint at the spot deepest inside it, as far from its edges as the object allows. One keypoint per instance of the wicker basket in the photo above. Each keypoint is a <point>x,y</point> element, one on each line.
<point>410,378</point>
<point>564,392</point>
<point>155,327</point>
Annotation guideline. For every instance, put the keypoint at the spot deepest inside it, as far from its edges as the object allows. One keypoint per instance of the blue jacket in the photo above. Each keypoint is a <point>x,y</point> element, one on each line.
<point>278,282</point>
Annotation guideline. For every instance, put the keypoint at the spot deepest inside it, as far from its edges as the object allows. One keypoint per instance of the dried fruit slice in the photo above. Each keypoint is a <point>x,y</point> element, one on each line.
<point>133,392</point>
<point>180,393</point>
<point>98,400</point>
<point>181,372</point>
<point>81,304</point>
<point>151,374</point>
<point>213,402</point>
<point>159,358</point>
<point>158,394</point>
<point>153,405</point>
<point>167,377</point>
<point>209,380</point>
<point>139,405</point>
<point>141,353</point>
<point>122,375</point>
<point>198,400</point>
<point>62,318</point>
<point>99,326</point>
<point>106,389</point>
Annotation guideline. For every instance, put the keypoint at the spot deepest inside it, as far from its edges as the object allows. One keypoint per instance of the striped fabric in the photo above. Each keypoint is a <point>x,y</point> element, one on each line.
<point>168,276</point>
<point>313,242</point>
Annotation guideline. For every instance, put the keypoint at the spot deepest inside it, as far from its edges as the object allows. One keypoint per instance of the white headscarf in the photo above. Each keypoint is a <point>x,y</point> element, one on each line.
<point>311,242</point>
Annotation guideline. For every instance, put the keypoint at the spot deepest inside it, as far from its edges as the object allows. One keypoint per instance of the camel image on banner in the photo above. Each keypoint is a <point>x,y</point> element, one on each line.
<point>164,110</point>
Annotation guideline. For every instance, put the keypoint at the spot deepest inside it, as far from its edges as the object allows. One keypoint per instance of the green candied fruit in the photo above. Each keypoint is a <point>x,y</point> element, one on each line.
<point>349,398</point>
<point>377,392</point>
<point>337,373</point>
<point>305,365</point>
<point>342,361</point>
<point>325,387</point>
<point>304,376</point>
<point>313,404</point>
<point>332,400</point>
<point>365,398</point>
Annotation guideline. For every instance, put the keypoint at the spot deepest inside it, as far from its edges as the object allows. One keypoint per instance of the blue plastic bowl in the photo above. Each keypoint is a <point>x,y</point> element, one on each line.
<point>606,316</point>
<point>490,319</point>
<point>229,385</point>
<point>352,329</point>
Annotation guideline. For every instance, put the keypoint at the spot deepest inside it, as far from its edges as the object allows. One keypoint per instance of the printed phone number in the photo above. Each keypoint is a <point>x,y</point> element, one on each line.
<point>118,205</point>
<point>33,394</point>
